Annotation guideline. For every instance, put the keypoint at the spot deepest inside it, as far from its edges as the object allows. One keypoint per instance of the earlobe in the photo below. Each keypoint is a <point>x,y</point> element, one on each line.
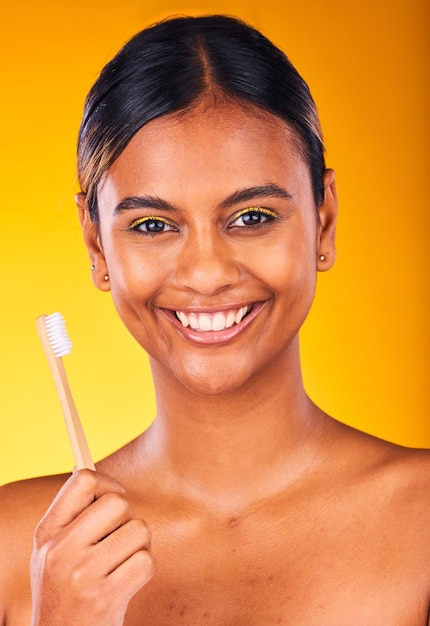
<point>90,232</point>
<point>326,248</point>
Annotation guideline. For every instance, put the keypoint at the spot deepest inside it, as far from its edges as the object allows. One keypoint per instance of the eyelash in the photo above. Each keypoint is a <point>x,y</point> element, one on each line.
<point>134,226</point>
<point>258,212</point>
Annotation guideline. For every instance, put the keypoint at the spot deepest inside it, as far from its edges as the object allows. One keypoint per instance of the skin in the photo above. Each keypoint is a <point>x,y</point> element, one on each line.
<point>263,509</point>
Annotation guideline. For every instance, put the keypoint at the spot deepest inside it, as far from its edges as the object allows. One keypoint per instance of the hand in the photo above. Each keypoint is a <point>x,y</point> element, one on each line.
<point>90,555</point>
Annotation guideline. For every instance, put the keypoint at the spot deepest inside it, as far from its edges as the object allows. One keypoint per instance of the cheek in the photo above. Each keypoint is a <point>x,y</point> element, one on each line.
<point>285,263</point>
<point>135,274</point>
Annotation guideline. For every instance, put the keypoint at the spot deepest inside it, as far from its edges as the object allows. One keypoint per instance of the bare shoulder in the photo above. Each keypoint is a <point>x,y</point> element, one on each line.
<point>22,505</point>
<point>407,471</point>
<point>24,501</point>
<point>357,448</point>
<point>389,478</point>
<point>412,465</point>
<point>405,468</point>
<point>375,501</point>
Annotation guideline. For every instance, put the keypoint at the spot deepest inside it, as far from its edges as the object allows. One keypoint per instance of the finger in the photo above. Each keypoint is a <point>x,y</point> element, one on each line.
<point>120,545</point>
<point>101,518</point>
<point>134,573</point>
<point>77,493</point>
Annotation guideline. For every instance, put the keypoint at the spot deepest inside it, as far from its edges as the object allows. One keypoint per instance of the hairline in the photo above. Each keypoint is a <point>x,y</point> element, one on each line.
<point>212,97</point>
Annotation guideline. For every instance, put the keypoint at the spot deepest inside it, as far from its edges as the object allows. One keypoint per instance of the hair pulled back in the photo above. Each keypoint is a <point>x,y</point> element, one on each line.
<point>173,65</point>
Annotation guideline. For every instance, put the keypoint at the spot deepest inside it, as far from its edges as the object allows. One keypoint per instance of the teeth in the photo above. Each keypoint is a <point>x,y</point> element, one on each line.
<point>194,323</point>
<point>220,320</point>
<point>184,319</point>
<point>229,319</point>
<point>205,322</point>
<point>239,315</point>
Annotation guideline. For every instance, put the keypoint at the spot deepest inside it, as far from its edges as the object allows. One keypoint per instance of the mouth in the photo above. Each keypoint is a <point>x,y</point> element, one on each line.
<point>215,321</point>
<point>216,327</point>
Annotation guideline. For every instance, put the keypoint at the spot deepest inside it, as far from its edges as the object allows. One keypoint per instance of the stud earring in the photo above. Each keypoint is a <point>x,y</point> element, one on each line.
<point>93,267</point>
<point>106,276</point>
<point>322,257</point>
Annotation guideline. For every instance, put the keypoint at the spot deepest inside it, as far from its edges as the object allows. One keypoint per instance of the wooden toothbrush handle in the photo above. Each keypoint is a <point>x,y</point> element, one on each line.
<point>80,449</point>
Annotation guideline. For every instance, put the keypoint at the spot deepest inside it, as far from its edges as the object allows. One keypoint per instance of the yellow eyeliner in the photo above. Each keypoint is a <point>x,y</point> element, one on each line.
<point>149,218</point>
<point>156,218</point>
<point>256,209</point>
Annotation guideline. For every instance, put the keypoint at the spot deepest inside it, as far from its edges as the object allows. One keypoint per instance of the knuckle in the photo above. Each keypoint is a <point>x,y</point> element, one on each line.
<point>144,566</point>
<point>54,556</point>
<point>78,579</point>
<point>116,502</point>
<point>44,533</point>
<point>41,534</point>
<point>142,530</point>
<point>85,477</point>
<point>148,563</point>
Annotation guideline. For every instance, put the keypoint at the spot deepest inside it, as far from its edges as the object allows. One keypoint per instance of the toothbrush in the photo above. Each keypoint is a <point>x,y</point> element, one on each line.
<point>56,344</point>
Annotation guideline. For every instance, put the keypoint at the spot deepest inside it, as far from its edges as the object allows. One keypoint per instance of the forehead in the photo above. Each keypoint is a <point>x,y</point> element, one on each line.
<point>216,149</point>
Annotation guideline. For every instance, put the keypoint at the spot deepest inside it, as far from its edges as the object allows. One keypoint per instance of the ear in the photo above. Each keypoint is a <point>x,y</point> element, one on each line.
<point>92,240</point>
<point>326,249</point>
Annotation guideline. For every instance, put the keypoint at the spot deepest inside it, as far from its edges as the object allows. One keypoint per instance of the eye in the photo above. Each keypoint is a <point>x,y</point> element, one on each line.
<point>253,216</point>
<point>152,225</point>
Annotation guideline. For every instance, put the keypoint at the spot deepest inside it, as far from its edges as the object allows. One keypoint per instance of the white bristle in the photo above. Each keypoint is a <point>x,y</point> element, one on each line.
<point>57,334</point>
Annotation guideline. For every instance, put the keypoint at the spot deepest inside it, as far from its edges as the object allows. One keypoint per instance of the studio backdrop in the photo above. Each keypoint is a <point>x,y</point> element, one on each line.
<point>365,344</point>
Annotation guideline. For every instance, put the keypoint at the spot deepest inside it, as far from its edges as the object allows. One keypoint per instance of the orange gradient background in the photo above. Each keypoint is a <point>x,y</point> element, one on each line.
<point>366,342</point>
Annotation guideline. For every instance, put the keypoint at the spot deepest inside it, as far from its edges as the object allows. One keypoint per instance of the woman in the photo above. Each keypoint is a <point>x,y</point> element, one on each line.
<point>207,210</point>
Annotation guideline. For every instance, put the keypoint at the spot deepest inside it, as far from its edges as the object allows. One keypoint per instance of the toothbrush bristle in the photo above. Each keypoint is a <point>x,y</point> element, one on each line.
<point>57,334</point>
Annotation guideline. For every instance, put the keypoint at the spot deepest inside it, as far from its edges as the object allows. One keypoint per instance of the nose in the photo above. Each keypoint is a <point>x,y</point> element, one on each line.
<point>207,264</point>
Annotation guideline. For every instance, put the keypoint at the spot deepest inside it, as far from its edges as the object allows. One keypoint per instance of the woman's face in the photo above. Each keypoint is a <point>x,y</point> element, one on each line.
<point>210,236</point>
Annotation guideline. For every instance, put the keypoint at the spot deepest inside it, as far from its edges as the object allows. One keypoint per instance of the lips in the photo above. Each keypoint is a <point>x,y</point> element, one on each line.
<point>212,321</point>
<point>223,325</point>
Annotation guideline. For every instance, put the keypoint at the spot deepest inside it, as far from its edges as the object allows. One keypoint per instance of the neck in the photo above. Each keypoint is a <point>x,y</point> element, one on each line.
<point>238,444</point>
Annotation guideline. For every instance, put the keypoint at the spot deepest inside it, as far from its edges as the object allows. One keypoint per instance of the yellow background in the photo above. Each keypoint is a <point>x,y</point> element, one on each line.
<point>365,345</point>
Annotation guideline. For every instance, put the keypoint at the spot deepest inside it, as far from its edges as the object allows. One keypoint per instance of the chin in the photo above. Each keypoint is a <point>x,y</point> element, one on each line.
<point>216,384</point>
<point>199,377</point>
<point>213,388</point>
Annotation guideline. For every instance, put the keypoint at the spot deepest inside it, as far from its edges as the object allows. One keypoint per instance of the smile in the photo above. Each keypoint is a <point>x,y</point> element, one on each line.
<point>216,327</point>
<point>209,322</point>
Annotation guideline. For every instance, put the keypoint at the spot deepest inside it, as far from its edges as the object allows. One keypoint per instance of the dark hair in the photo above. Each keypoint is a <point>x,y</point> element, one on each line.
<point>173,65</point>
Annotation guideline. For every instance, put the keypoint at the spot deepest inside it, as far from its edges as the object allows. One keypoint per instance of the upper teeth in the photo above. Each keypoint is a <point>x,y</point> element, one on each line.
<point>212,321</point>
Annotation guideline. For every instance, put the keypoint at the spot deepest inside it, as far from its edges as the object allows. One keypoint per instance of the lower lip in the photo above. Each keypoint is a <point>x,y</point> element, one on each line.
<point>214,337</point>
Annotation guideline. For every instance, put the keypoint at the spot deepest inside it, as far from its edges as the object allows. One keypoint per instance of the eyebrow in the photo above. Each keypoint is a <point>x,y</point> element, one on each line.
<point>242,195</point>
<point>139,202</point>
<point>270,190</point>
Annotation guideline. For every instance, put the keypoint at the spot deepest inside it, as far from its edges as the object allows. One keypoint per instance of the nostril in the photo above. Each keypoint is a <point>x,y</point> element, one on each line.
<point>207,272</point>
